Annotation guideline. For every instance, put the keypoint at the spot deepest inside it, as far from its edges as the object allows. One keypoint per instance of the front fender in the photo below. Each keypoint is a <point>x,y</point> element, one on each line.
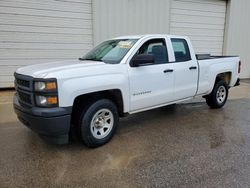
<point>71,88</point>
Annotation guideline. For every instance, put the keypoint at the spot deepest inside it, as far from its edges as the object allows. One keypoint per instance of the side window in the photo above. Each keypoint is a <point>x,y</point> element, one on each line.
<point>156,47</point>
<point>181,50</point>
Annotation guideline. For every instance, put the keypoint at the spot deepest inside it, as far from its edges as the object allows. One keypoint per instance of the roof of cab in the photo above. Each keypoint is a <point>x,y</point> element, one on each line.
<point>145,36</point>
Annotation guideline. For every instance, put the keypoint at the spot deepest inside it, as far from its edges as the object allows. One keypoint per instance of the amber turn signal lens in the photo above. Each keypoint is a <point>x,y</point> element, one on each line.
<point>50,85</point>
<point>52,100</point>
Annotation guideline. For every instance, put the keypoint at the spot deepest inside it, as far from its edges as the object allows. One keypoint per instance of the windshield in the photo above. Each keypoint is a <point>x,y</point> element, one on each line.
<point>111,51</point>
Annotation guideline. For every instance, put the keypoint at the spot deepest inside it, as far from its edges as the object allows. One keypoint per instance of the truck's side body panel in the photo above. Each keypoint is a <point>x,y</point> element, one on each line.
<point>210,68</point>
<point>185,71</point>
<point>78,85</point>
<point>149,85</point>
<point>185,79</point>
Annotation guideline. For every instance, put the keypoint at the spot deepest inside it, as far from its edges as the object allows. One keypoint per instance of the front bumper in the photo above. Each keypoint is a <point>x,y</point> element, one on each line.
<point>52,124</point>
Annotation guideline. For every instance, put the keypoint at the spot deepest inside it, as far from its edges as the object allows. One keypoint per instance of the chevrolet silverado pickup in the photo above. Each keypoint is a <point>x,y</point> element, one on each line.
<point>121,76</point>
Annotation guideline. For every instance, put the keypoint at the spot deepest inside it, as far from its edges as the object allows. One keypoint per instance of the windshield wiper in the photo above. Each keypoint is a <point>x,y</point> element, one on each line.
<point>89,59</point>
<point>81,59</point>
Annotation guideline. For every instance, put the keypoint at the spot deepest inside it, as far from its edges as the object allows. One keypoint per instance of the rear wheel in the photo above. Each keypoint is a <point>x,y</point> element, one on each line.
<point>218,97</point>
<point>98,123</point>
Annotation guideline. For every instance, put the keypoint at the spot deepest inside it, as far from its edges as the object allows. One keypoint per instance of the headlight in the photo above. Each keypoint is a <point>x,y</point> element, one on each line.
<point>47,101</point>
<point>46,94</point>
<point>45,86</point>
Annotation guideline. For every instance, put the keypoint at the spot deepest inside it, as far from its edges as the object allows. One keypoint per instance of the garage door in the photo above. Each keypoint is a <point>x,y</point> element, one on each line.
<point>202,20</point>
<point>33,31</point>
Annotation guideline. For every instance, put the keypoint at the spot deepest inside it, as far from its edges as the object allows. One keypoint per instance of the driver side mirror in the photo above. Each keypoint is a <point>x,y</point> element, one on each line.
<point>142,60</point>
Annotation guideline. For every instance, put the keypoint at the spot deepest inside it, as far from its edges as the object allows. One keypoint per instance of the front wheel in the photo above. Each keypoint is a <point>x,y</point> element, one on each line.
<point>98,123</point>
<point>218,97</point>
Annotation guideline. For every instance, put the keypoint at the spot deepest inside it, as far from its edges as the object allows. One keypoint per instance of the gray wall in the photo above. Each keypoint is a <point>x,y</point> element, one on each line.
<point>202,21</point>
<point>41,31</point>
<point>124,17</point>
<point>237,40</point>
<point>34,32</point>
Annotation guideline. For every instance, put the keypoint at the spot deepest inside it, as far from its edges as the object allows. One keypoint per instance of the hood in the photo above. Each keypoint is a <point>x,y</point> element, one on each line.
<point>48,69</point>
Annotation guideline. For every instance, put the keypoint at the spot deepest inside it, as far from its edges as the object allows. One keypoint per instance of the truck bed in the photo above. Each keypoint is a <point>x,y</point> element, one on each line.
<point>208,56</point>
<point>210,66</point>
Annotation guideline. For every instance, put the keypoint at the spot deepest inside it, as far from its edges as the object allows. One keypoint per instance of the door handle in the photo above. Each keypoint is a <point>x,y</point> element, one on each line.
<point>168,70</point>
<point>192,68</point>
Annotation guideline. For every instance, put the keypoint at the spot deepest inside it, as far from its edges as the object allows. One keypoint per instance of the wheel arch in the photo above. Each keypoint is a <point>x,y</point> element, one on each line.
<point>115,95</point>
<point>226,76</point>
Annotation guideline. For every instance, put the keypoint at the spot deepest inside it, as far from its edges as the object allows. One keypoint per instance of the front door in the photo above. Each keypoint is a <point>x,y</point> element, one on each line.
<point>153,84</point>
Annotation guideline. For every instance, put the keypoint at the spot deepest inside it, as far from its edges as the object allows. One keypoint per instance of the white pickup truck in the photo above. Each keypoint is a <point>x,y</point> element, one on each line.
<point>124,75</point>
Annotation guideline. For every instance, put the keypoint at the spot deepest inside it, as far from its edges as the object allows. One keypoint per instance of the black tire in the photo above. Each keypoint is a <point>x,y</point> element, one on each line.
<point>213,100</point>
<point>85,120</point>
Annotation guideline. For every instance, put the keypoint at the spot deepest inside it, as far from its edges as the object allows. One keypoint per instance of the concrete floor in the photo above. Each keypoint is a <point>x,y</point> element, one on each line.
<point>186,146</point>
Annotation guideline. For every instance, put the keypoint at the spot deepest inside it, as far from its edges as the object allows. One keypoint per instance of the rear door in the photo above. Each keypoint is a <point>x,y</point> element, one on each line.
<point>153,84</point>
<point>185,69</point>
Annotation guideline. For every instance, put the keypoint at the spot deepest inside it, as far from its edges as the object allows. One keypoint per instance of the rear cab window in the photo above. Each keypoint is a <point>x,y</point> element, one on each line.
<point>181,50</point>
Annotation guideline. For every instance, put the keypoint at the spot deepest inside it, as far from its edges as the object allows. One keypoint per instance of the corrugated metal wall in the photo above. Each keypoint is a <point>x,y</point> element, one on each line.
<point>125,17</point>
<point>203,21</point>
<point>33,31</point>
<point>237,40</point>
